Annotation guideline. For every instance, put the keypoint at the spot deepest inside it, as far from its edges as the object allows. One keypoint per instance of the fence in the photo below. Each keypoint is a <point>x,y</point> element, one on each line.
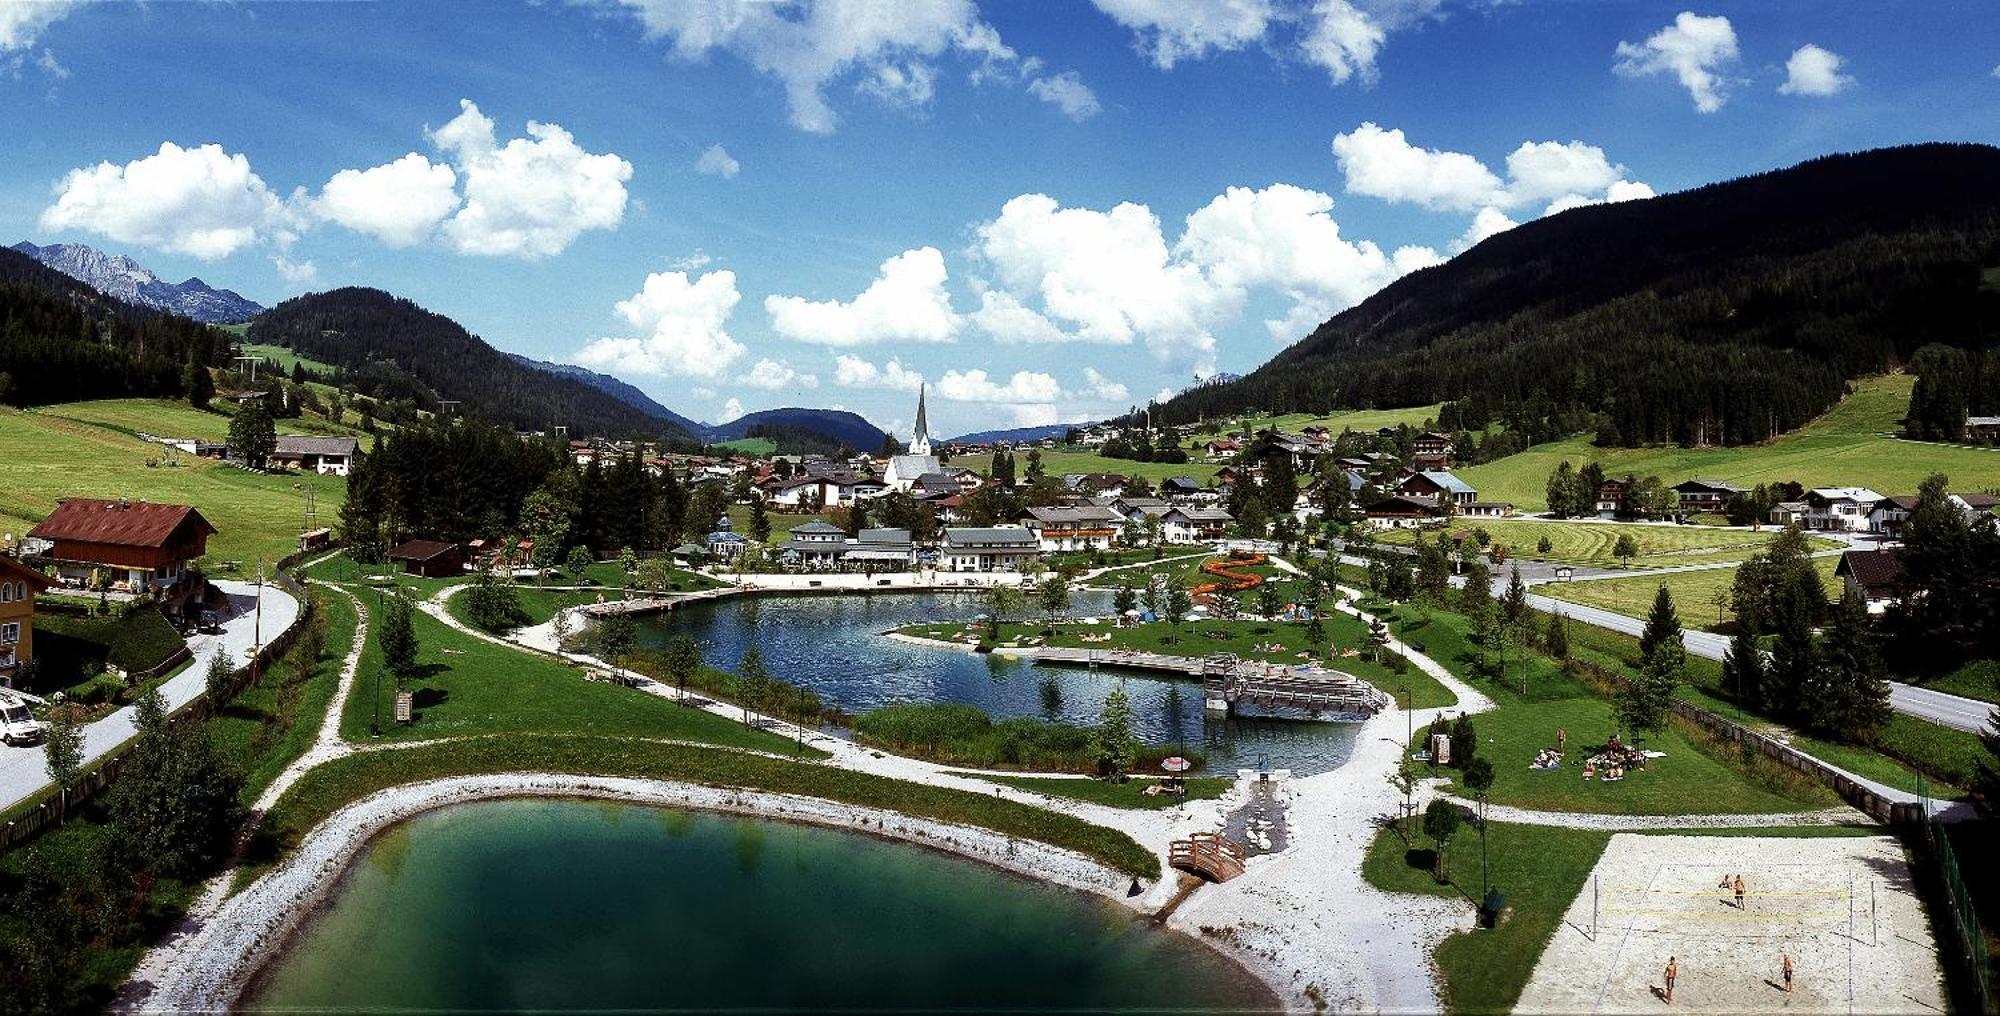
<point>106,772</point>
<point>1967,944</point>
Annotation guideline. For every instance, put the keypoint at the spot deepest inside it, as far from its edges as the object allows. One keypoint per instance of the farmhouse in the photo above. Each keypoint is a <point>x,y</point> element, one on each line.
<point>1433,450</point>
<point>815,544</point>
<point>1085,527</point>
<point>327,456</point>
<point>1611,498</point>
<point>1876,576</point>
<point>1195,525</point>
<point>986,548</point>
<point>1843,509</point>
<point>1699,495</point>
<point>139,546</point>
<point>434,559</point>
<point>19,585</point>
<point>1436,483</point>
<point>1400,511</point>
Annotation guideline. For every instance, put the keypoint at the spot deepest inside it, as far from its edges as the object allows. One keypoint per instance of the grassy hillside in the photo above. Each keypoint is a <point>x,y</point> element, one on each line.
<point>1852,444</point>
<point>1355,419</point>
<point>1694,593</point>
<point>174,418</point>
<point>751,445</point>
<point>1592,543</point>
<point>76,450</point>
<point>1080,460</point>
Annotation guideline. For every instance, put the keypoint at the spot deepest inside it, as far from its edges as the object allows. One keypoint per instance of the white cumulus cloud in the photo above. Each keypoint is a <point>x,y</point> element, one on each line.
<point>855,372</point>
<point>22,21</point>
<point>889,50</point>
<point>772,375</point>
<point>716,161</point>
<point>1169,31</point>
<point>1382,163</point>
<point>531,197</point>
<point>683,325</point>
<point>1342,40</point>
<point>1694,49</point>
<point>1069,94</point>
<point>200,201</point>
<point>399,203</point>
<point>1814,71</point>
<point>1097,386</point>
<point>907,302</point>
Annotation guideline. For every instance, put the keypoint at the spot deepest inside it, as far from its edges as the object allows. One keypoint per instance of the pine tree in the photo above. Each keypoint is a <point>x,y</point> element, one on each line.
<point>1557,639</point>
<point>1743,669</point>
<point>1514,604</point>
<point>1114,735</point>
<point>1850,699</point>
<point>1788,676</point>
<point>399,640</point>
<point>760,521</point>
<point>1662,664</point>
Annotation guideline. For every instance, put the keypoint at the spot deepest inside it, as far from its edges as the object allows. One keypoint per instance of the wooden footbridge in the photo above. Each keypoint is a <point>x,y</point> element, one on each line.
<point>1209,855</point>
<point>1228,682</point>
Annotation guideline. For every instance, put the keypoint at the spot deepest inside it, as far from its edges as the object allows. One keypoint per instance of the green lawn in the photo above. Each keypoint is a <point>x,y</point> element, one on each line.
<point>781,522</point>
<point>1591,543</point>
<point>473,687</point>
<point>1354,419</point>
<point>1539,869</point>
<point>1849,445</point>
<point>1978,679</point>
<point>1130,794</point>
<point>1695,777</point>
<point>1694,592</point>
<point>175,418</point>
<point>257,516</point>
<point>285,359</point>
<point>751,445</point>
<point>270,724</point>
<point>1060,461</point>
<point>328,787</point>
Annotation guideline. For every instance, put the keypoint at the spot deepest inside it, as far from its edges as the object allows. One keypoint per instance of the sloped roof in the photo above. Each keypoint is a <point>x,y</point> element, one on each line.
<point>121,523</point>
<point>421,550</point>
<point>1880,570</point>
<point>308,444</point>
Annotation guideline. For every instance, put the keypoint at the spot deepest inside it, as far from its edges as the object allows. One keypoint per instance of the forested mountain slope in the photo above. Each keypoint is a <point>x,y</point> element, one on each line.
<point>62,340</point>
<point>1721,315</point>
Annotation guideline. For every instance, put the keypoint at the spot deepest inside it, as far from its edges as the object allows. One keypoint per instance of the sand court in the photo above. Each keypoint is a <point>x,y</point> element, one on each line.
<point>1843,907</point>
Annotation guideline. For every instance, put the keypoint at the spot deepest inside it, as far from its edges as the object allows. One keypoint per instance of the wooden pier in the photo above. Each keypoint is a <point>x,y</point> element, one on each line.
<point>1228,681</point>
<point>1209,855</point>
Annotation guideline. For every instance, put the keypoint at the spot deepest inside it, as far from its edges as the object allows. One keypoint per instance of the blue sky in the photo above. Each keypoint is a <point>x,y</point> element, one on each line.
<point>1048,210</point>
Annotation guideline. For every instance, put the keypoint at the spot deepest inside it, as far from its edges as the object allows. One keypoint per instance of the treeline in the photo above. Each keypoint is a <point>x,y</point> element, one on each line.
<point>1720,316</point>
<point>469,480</point>
<point>358,330</point>
<point>1952,384</point>
<point>63,341</point>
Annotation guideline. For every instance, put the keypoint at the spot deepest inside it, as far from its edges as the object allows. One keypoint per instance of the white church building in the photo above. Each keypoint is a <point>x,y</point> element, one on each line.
<point>916,461</point>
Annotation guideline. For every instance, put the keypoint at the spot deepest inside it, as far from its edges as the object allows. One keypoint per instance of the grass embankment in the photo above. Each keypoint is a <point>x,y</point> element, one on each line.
<point>1694,592</point>
<point>1978,679</point>
<point>50,456</point>
<point>1849,445</point>
<point>1697,776</point>
<point>1591,543</point>
<point>470,686</point>
<point>272,722</point>
<point>1539,869</point>
<point>782,523</point>
<point>1905,746</point>
<point>952,733</point>
<point>1250,640</point>
<point>1120,558</point>
<point>1130,794</point>
<point>327,788</point>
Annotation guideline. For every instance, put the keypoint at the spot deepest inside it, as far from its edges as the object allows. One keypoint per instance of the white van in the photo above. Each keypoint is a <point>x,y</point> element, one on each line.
<point>17,725</point>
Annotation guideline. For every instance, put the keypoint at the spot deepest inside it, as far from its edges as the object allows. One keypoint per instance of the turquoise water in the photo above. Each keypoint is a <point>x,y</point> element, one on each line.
<point>579,905</point>
<point>833,645</point>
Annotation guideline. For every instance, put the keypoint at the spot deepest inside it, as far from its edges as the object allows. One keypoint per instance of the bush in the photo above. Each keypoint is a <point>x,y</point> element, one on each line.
<point>957,734</point>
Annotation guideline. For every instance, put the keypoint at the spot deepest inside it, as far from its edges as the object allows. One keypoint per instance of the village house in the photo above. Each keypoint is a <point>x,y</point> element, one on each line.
<point>1611,495</point>
<point>1438,484</point>
<point>1221,449</point>
<point>1301,450</point>
<point>1433,450</point>
<point>327,456</point>
<point>1889,514</point>
<point>1982,428</point>
<point>1876,576</point>
<point>1083,527</point>
<point>19,585</point>
<point>1400,511</point>
<point>986,548</point>
<point>1840,509</point>
<point>433,559</point>
<point>1195,525</point>
<point>1788,513</point>
<point>1697,495</point>
<point>1180,487</point>
<point>137,546</point>
<point>815,545</point>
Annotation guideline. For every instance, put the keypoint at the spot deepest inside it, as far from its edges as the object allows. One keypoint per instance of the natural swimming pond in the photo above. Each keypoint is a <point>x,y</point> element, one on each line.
<point>834,645</point>
<point>574,905</point>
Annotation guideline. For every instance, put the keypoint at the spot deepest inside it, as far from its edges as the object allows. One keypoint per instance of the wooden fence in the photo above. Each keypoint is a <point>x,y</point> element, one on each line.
<point>101,776</point>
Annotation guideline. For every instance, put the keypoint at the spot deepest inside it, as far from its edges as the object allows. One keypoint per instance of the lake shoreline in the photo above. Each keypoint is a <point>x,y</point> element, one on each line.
<point>224,959</point>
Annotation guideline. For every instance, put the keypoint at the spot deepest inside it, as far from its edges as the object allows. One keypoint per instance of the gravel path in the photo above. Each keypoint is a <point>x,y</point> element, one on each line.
<point>1842,815</point>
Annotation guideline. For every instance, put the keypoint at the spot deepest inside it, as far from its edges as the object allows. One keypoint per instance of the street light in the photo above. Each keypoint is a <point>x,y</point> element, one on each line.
<point>375,701</point>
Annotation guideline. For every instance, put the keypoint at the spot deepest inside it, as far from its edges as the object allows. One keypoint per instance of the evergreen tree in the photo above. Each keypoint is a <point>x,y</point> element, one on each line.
<point>399,639</point>
<point>215,683</point>
<point>1743,669</point>
<point>1514,604</point>
<point>1114,735</point>
<point>1557,639</point>
<point>1475,599</point>
<point>196,385</point>
<point>1125,599</point>
<point>1642,708</point>
<point>175,806</point>
<point>252,434</point>
<point>1441,821</point>
<point>1789,674</point>
<point>1850,697</point>
<point>760,521</point>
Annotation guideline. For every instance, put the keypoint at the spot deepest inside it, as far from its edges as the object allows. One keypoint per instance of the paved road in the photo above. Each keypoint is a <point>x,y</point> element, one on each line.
<point>24,771</point>
<point>1954,711</point>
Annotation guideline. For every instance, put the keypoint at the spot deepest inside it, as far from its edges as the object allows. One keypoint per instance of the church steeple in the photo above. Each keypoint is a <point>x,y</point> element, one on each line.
<point>920,439</point>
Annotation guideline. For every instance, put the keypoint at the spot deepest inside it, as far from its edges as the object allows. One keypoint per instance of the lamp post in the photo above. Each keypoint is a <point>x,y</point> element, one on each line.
<point>375,700</point>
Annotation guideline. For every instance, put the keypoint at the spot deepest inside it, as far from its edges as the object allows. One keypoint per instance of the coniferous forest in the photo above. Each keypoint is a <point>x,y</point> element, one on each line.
<point>62,341</point>
<point>1722,315</point>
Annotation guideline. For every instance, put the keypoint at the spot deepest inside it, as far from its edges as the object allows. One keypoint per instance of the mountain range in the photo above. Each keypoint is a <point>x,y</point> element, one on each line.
<point>1720,315</point>
<point>1014,435</point>
<point>119,276</point>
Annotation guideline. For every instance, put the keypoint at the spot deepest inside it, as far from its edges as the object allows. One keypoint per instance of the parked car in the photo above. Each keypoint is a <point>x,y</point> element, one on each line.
<point>210,624</point>
<point>17,724</point>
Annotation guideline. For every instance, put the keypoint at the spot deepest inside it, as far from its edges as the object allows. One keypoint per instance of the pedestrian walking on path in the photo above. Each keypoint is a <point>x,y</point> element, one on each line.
<point>1788,971</point>
<point>1739,892</point>
<point>1673,971</point>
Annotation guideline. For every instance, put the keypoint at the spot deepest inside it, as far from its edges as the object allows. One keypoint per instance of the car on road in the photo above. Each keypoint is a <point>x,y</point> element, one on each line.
<point>17,724</point>
<point>210,624</point>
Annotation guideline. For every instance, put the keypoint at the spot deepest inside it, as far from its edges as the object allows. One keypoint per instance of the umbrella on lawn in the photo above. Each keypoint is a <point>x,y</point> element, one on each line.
<point>1176,764</point>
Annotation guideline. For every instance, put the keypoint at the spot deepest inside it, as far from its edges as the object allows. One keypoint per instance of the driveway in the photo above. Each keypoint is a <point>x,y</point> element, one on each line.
<point>24,771</point>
